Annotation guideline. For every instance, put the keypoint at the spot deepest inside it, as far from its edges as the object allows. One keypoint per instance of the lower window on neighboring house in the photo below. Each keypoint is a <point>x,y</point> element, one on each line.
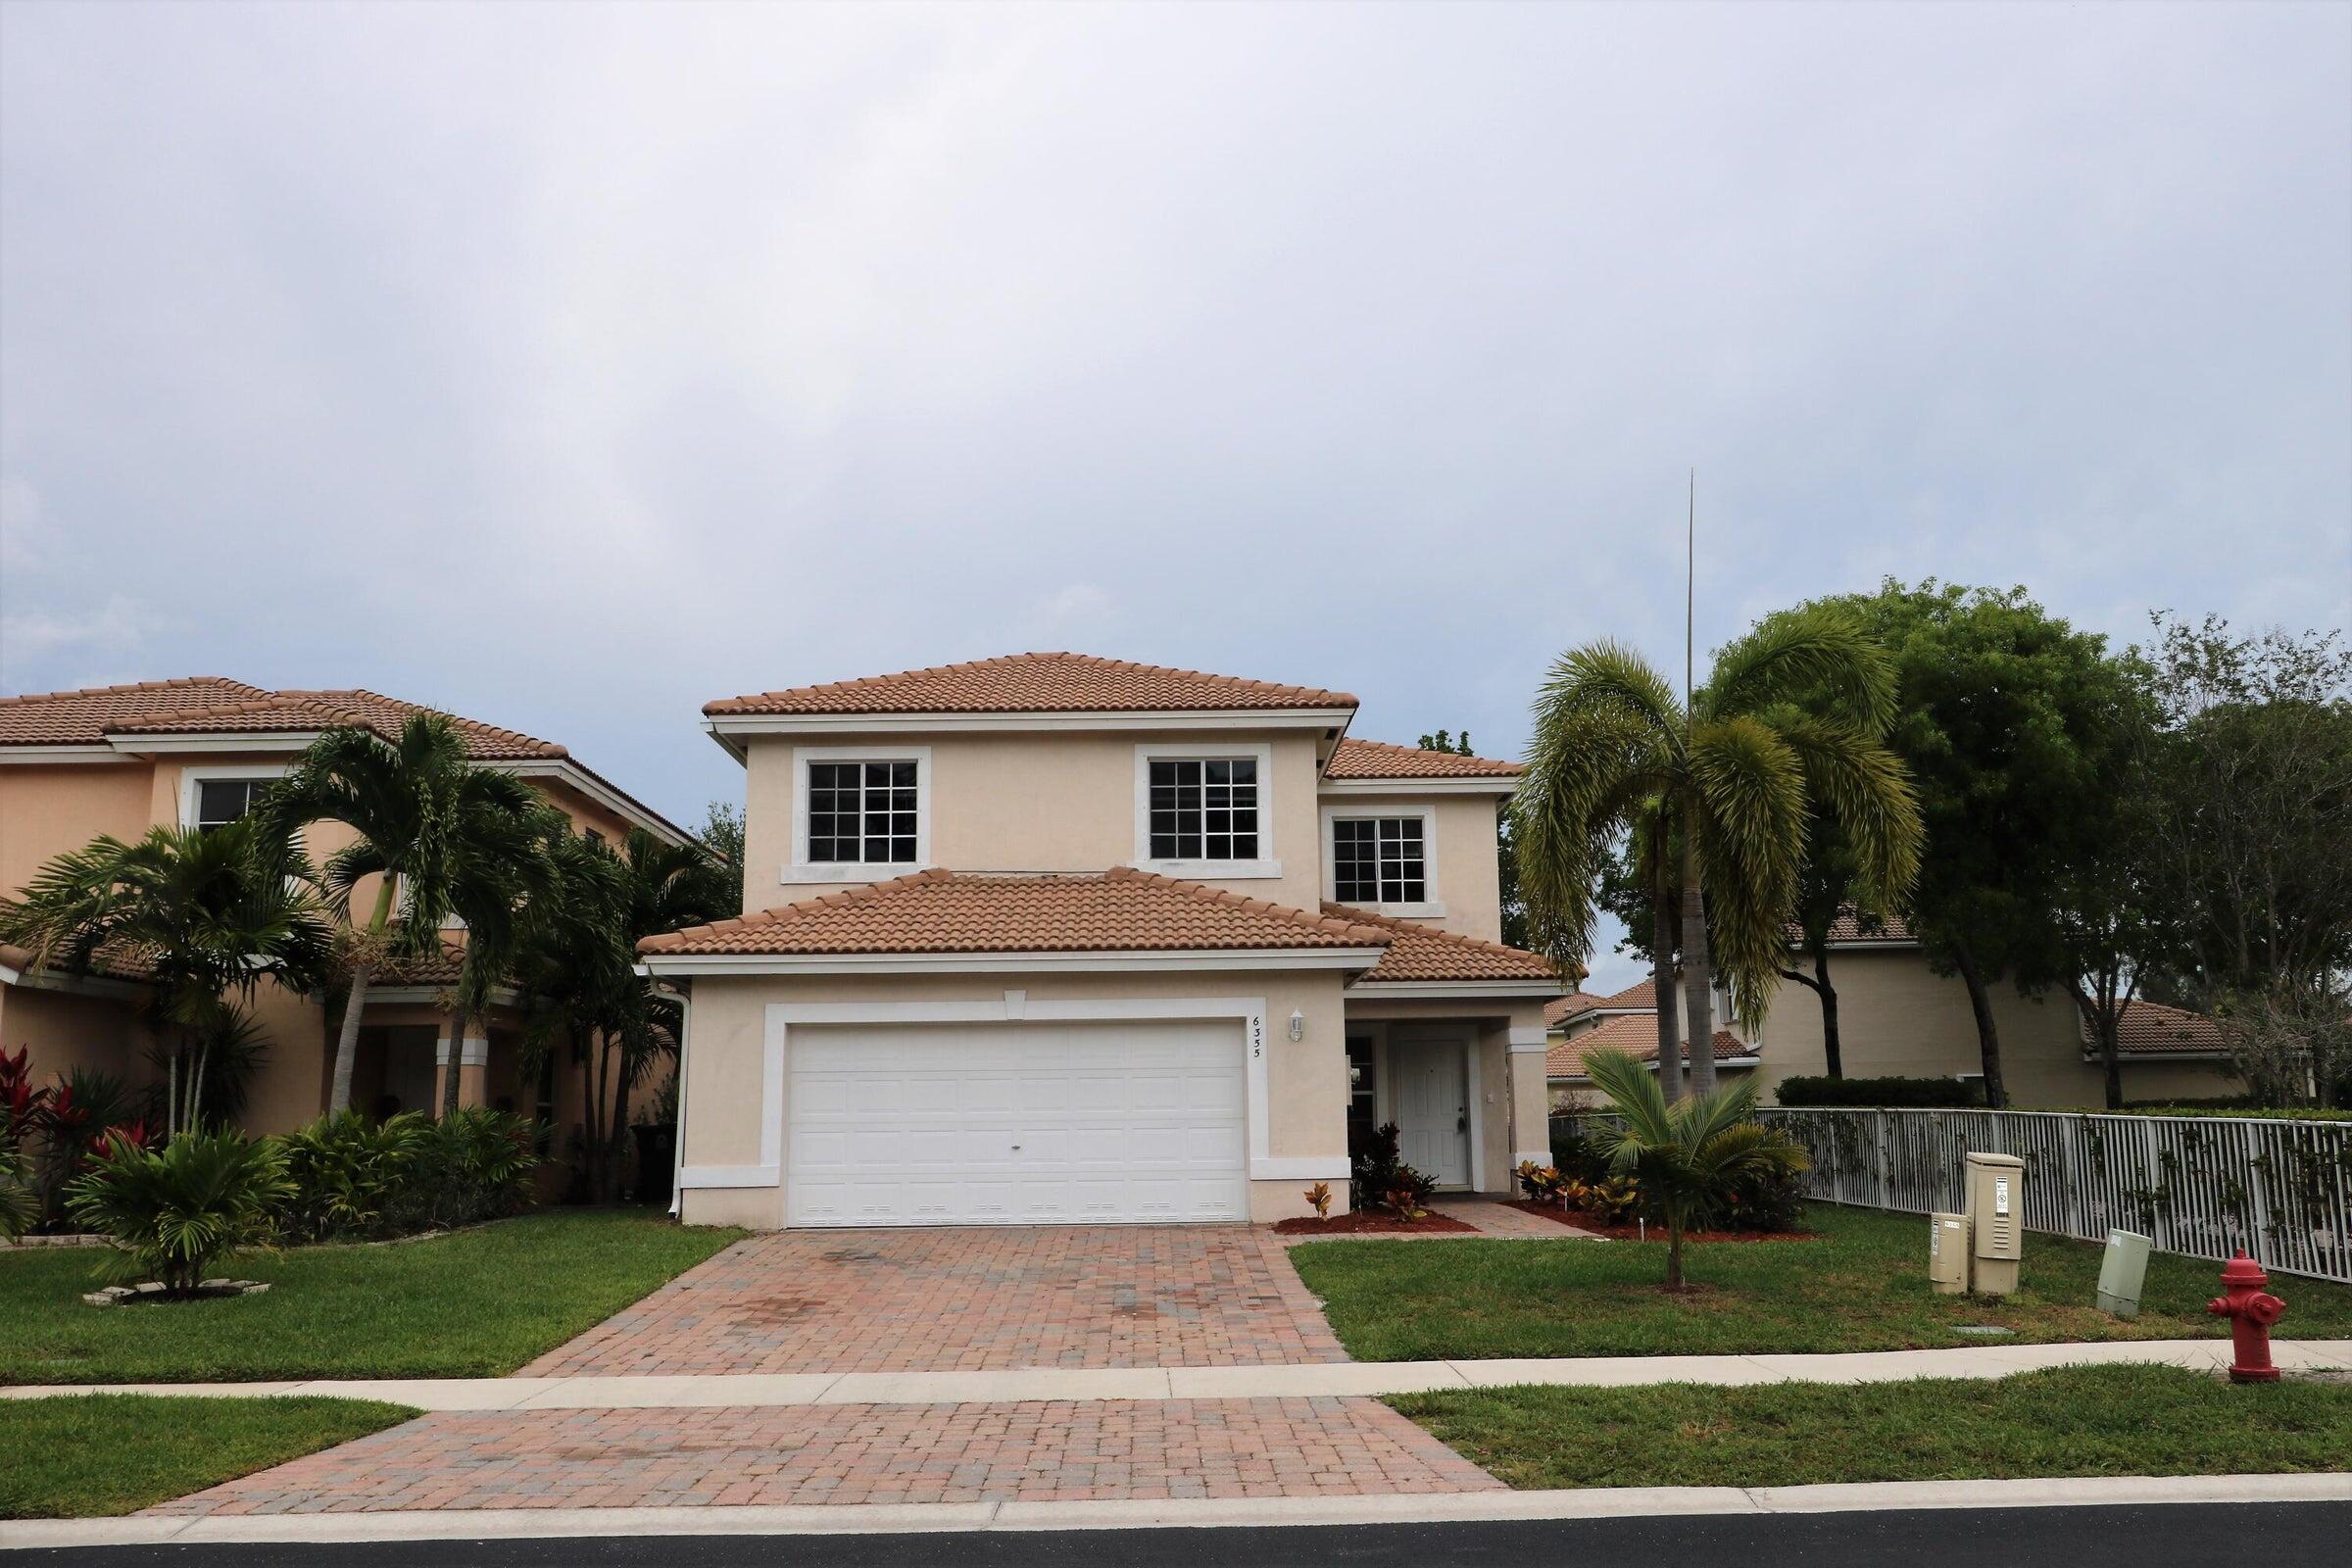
<point>222,801</point>
<point>862,812</point>
<point>1378,860</point>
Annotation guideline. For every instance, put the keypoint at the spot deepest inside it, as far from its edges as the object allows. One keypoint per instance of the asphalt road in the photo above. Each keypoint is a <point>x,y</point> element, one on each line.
<point>2275,1535</point>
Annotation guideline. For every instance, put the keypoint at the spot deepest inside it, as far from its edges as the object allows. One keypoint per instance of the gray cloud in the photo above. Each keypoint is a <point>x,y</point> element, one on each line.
<point>573,366</point>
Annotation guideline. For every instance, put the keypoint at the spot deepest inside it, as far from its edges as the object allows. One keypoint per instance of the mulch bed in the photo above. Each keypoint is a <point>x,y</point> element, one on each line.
<point>1634,1233</point>
<point>1360,1221</point>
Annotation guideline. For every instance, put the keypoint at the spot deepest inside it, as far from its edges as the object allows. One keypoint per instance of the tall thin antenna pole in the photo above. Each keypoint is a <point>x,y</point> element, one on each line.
<point>1689,587</point>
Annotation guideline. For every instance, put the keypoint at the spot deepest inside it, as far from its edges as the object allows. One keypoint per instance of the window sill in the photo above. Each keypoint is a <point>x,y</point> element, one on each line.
<point>1211,870</point>
<point>855,871</point>
<point>1427,910</point>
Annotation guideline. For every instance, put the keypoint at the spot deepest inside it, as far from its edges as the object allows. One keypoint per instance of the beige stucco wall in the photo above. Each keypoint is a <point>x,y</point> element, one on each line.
<point>64,1031</point>
<point>1053,802</point>
<point>1899,1018</point>
<point>1466,876</point>
<point>1306,1080</point>
<point>45,810</point>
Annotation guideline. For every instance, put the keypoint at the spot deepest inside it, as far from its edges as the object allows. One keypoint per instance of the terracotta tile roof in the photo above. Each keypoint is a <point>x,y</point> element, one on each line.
<point>2152,1027</point>
<point>1121,910</point>
<point>1569,1006</point>
<point>81,717</point>
<point>1033,683</point>
<point>115,961</point>
<point>1849,927</point>
<point>205,704</point>
<point>1635,1033</point>
<point>1354,759</point>
<point>1419,951</point>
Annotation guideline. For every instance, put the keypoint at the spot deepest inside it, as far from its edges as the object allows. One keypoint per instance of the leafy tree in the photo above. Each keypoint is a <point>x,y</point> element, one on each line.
<point>1690,1156</point>
<point>723,838</point>
<point>2001,711</point>
<point>1715,795</point>
<point>439,835</point>
<point>210,916</point>
<point>1506,848</point>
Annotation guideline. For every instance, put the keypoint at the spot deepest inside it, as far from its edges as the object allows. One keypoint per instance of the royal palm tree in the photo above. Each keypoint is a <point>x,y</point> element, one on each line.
<point>441,837</point>
<point>1714,792</point>
<point>1688,1156</point>
<point>208,916</point>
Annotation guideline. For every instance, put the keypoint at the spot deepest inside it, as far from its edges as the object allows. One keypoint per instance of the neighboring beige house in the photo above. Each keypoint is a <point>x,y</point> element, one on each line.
<point>1052,938</point>
<point>1899,1018</point>
<point>121,759</point>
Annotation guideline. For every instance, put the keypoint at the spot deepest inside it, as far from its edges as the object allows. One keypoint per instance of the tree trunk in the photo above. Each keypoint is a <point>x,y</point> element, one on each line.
<point>1989,1037</point>
<point>1672,1079</point>
<point>621,1119</point>
<point>1833,1050</point>
<point>456,1055</point>
<point>347,1038</point>
<point>1699,978</point>
<point>1674,1252</point>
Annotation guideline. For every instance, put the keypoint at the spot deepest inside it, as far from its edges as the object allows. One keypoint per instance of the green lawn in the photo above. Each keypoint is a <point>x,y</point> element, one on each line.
<point>91,1455</point>
<point>1865,1287</point>
<point>477,1303</point>
<point>2071,1421</point>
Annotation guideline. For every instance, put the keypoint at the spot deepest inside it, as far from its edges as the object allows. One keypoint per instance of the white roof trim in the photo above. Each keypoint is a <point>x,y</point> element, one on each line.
<point>144,743</point>
<point>721,726</point>
<point>84,985</point>
<point>576,777</point>
<point>1369,988</point>
<point>1487,784</point>
<point>1144,960</point>
<point>77,754</point>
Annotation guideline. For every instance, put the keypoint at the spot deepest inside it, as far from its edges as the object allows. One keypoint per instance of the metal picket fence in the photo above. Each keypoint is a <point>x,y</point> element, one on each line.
<point>2203,1186</point>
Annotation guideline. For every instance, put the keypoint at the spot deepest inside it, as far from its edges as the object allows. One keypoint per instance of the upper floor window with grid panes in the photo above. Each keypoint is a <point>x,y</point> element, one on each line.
<point>862,813</point>
<point>222,801</point>
<point>1379,860</point>
<point>1204,809</point>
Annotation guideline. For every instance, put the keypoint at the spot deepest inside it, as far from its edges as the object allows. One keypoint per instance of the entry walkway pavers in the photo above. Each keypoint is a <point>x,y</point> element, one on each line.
<point>1030,1452</point>
<point>1306,1380</point>
<point>976,1298</point>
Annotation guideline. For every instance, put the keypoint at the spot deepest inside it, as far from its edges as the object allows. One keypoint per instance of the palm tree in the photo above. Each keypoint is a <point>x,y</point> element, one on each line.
<point>1688,1155</point>
<point>1714,794</point>
<point>441,836</point>
<point>208,914</point>
<point>577,964</point>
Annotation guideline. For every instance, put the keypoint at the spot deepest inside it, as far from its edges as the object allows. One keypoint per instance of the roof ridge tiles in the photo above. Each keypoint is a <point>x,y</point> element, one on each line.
<point>131,686</point>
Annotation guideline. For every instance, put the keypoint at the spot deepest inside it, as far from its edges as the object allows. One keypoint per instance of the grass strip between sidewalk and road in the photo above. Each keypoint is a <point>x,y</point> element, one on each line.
<point>2068,1421</point>
<point>95,1454</point>
<point>1862,1287</point>
<point>479,1303</point>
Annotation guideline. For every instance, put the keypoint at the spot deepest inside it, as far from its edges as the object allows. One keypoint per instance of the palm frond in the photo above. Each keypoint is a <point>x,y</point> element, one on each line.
<point>1748,806</point>
<point>1819,655</point>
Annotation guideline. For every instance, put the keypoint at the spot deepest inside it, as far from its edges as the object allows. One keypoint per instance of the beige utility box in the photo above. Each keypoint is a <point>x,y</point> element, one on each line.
<point>1948,1253</point>
<point>1996,1221</point>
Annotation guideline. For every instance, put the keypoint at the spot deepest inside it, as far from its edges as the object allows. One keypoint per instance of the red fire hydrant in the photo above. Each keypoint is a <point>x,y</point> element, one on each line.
<point>2251,1310</point>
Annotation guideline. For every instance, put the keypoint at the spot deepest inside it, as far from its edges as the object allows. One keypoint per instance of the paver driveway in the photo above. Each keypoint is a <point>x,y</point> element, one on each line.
<point>977,1298</point>
<point>1058,1451</point>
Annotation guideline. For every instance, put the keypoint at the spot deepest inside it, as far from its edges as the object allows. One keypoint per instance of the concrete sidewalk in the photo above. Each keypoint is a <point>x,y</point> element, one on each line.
<point>1306,1380</point>
<point>1600,1503</point>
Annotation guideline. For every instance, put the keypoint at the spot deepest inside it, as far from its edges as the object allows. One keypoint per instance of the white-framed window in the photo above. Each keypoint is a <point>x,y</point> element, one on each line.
<point>1204,810</point>
<point>1383,857</point>
<point>214,797</point>
<point>860,813</point>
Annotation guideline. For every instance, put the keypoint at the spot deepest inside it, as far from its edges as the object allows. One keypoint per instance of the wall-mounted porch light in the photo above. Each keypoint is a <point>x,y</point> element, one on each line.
<point>1298,1024</point>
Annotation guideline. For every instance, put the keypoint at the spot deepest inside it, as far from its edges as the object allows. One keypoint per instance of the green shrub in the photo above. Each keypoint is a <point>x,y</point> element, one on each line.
<point>1380,1178</point>
<point>178,1213</point>
<point>349,1173</point>
<point>469,1166</point>
<point>1770,1200</point>
<point>20,1211</point>
<point>1906,1094</point>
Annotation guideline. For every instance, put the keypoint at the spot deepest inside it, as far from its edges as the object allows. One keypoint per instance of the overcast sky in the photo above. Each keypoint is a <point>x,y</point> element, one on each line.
<point>568,368</point>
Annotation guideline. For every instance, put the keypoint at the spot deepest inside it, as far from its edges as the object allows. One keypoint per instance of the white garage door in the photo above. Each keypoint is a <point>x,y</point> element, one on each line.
<point>1016,1124</point>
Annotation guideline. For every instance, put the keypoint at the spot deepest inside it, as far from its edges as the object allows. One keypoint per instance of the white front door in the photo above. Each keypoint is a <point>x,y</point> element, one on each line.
<point>1430,1098</point>
<point>1016,1124</point>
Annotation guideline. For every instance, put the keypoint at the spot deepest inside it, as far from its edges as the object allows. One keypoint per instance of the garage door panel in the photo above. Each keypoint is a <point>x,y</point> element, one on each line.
<point>1016,1124</point>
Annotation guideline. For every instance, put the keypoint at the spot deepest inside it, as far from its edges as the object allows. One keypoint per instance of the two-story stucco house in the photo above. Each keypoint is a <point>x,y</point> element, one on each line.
<point>1053,938</point>
<point>121,759</point>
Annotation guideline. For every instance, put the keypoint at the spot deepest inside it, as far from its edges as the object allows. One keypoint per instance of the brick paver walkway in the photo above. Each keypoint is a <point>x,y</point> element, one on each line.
<point>978,1298</point>
<point>863,1453</point>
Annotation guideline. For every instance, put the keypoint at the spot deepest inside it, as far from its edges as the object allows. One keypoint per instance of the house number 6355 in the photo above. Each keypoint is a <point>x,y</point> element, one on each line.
<point>1257,1038</point>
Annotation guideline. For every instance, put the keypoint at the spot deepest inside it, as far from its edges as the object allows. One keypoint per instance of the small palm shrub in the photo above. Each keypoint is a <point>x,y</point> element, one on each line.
<point>20,1211</point>
<point>1380,1179</point>
<point>176,1213</point>
<point>472,1165</point>
<point>349,1173</point>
